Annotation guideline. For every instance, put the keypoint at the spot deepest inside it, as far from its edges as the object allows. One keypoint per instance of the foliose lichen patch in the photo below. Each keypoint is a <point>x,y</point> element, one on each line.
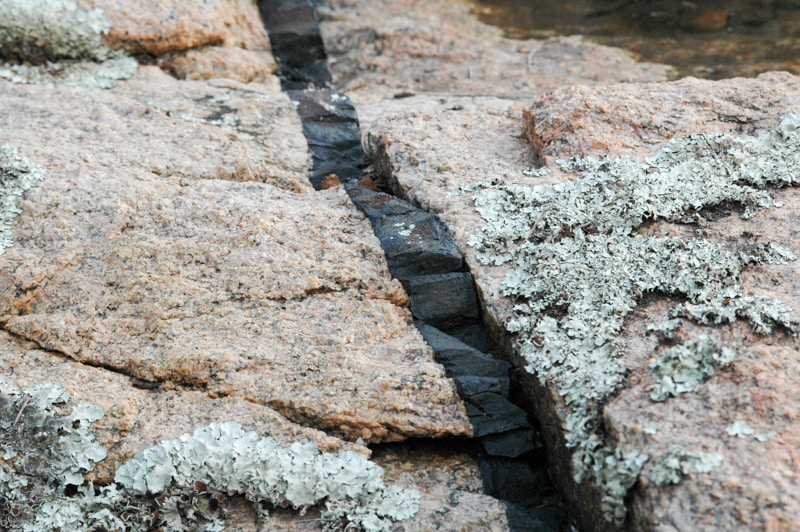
<point>54,42</point>
<point>681,368</point>
<point>579,267</point>
<point>176,484</point>
<point>679,462</point>
<point>17,174</point>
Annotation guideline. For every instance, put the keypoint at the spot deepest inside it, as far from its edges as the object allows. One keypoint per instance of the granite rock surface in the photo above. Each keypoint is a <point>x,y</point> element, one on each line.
<point>382,49</point>
<point>426,148</point>
<point>146,254</point>
<point>192,40</point>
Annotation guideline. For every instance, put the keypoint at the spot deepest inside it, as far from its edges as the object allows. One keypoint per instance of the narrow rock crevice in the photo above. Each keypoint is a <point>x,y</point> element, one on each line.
<point>422,256</point>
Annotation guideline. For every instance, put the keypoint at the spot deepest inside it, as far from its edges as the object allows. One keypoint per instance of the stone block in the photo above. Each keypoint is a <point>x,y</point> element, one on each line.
<point>415,242</point>
<point>443,300</point>
<point>491,413</point>
<point>459,359</point>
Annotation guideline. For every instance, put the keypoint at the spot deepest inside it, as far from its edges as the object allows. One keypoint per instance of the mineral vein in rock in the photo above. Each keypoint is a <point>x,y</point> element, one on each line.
<point>579,267</point>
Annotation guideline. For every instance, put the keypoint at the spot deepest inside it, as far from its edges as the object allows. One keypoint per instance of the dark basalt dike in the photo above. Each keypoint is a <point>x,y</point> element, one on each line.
<point>421,254</point>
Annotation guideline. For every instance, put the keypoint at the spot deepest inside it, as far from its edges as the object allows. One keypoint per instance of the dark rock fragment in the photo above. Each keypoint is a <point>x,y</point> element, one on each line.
<point>468,385</point>
<point>513,481</point>
<point>330,125</point>
<point>473,335</point>
<point>443,300</point>
<point>511,444</point>
<point>458,358</point>
<point>415,242</point>
<point>491,413</point>
<point>296,41</point>
<point>545,518</point>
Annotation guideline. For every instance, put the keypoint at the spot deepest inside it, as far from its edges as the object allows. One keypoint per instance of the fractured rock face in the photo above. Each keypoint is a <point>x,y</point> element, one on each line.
<point>727,444</point>
<point>132,256</point>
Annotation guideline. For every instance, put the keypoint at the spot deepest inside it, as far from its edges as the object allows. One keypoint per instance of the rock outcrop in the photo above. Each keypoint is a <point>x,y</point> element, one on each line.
<point>718,457</point>
<point>383,49</point>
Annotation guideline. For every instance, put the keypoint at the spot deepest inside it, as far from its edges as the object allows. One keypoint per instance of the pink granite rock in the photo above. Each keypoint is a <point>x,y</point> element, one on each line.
<point>427,148</point>
<point>192,40</point>
<point>140,253</point>
<point>378,49</point>
<point>624,119</point>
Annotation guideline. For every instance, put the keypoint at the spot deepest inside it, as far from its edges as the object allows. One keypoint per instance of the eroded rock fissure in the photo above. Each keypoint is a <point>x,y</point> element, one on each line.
<point>423,257</point>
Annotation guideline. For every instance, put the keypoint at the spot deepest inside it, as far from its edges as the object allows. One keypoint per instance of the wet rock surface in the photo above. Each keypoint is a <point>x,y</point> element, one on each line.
<point>484,139</point>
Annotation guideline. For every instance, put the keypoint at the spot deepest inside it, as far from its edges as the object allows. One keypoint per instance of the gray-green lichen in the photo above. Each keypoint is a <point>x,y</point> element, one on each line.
<point>579,267</point>
<point>17,174</point>
<point>681,368</point>
<point>679,462</point>
<point>177,484</point>
<point>54,42</point>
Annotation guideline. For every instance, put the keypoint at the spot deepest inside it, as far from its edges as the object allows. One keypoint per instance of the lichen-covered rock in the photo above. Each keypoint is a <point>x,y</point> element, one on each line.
<point>142,254</point>
<point>87,44</point>
<point>676,403</point>
<point>138,416</point>
<point>55,42</point>
<point>176,484</point>
<point>380,48</point>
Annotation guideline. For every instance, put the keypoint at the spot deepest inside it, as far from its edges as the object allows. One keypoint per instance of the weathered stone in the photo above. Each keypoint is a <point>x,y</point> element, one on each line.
<point>628,120</point>
<point>378,49</point>
<point>491,413</point>
<point>755,485</point>
<point>415,242</point>
<point>449,479</point>
<point>511,444</point>
<point>219,129</point>
<point>443,299</point>
<point>135,418</point>
<point>460,359</point>
<point>169,26</point>
<point>210,62</point>
<point>330,125</point>
<point>195,40</point>
<point>241,289</point>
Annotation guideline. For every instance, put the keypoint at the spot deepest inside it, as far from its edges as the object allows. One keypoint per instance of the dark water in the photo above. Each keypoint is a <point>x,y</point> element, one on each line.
<point>712,39</point>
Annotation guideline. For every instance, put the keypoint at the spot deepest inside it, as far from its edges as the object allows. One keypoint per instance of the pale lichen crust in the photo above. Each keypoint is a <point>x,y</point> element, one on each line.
<point>54,42</point>
<point>17,174</point>
<point>579,268</point>
<point>681,368</point>
<point>679,462</point>
<point>178,484</point>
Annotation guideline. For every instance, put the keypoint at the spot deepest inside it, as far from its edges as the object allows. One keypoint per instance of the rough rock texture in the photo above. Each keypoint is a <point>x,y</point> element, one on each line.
<point>619,120</point>
<point>126,258</point>
<point>427,148</point>
<point>221,129</point>
<point>141,417</point>
<point>193,40</point>
<point>378,49</point>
